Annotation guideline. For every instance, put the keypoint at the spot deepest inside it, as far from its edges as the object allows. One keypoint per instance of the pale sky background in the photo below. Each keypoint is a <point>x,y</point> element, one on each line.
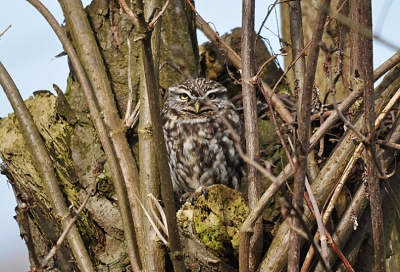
<point>27,51</point>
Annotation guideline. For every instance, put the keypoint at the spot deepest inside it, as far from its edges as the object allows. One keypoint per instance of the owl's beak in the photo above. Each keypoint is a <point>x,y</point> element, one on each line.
<point>197,106</point>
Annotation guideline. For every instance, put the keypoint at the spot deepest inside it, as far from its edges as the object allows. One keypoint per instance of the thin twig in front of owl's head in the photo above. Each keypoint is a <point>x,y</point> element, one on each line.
<point>171,65</point>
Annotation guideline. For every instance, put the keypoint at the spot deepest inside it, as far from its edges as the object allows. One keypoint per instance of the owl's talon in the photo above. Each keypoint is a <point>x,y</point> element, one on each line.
<point>191,199</point>
<point>184,197</point>
<point>205,192</point>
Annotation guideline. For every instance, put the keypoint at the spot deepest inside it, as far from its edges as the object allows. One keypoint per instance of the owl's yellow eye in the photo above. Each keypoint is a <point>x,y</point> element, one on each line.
<point>183,96</point>
<point>211,96</point>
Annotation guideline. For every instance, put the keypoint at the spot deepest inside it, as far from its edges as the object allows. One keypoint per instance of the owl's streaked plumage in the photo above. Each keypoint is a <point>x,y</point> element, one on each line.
<point>200,148</point>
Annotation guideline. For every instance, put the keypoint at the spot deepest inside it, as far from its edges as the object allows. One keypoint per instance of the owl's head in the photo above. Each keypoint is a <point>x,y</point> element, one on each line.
<point>197,98</point>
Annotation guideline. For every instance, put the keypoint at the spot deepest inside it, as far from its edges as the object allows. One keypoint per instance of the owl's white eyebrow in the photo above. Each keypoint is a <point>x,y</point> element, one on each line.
<point>213,91</point>
<point>181,91</point>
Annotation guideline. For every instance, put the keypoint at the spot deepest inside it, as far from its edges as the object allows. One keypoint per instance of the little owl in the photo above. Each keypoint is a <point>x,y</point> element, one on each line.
<point>200,147</point>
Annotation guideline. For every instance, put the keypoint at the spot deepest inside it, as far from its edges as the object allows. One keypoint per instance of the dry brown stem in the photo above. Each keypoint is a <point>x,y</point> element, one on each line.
<point>144,37</point>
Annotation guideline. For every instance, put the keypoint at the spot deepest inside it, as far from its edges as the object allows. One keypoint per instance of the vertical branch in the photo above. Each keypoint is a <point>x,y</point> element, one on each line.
<point>303,136</point>
<point>152,92</point>
<point>251,127</point>
<point>361,13</point>
<point>297,37</point>
<point>152,253</point>
<point>163,168</point>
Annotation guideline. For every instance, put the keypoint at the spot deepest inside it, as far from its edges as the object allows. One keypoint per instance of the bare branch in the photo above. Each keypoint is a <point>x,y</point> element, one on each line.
<point>334,117</point>
<point>303,134</point>
<point>303,231</point>
<point>159,235</point>
<point>251,132</point>
<point>386,66</point>
<point>152,95</point>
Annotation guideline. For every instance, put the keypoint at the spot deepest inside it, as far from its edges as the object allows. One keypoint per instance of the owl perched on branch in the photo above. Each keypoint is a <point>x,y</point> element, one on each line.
<point>200,147</point>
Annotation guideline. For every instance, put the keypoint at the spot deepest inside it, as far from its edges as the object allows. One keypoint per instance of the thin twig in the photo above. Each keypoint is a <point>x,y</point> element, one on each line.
<point>130,118</point>
<point>130,97</point>
<point>335,116</point>
<point>156,18</point>
<point>75,214</point>
<point>321,227</point>
<point>356,26</point>
<point>270,9</point>
<point>346,122</point>
<point>303,230</point>
<point>339,252</point>
<point>153,224</point>
<point>133,118</point>
<point>5,30</point>
<point>265,64</point>
<point>164,224</point>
